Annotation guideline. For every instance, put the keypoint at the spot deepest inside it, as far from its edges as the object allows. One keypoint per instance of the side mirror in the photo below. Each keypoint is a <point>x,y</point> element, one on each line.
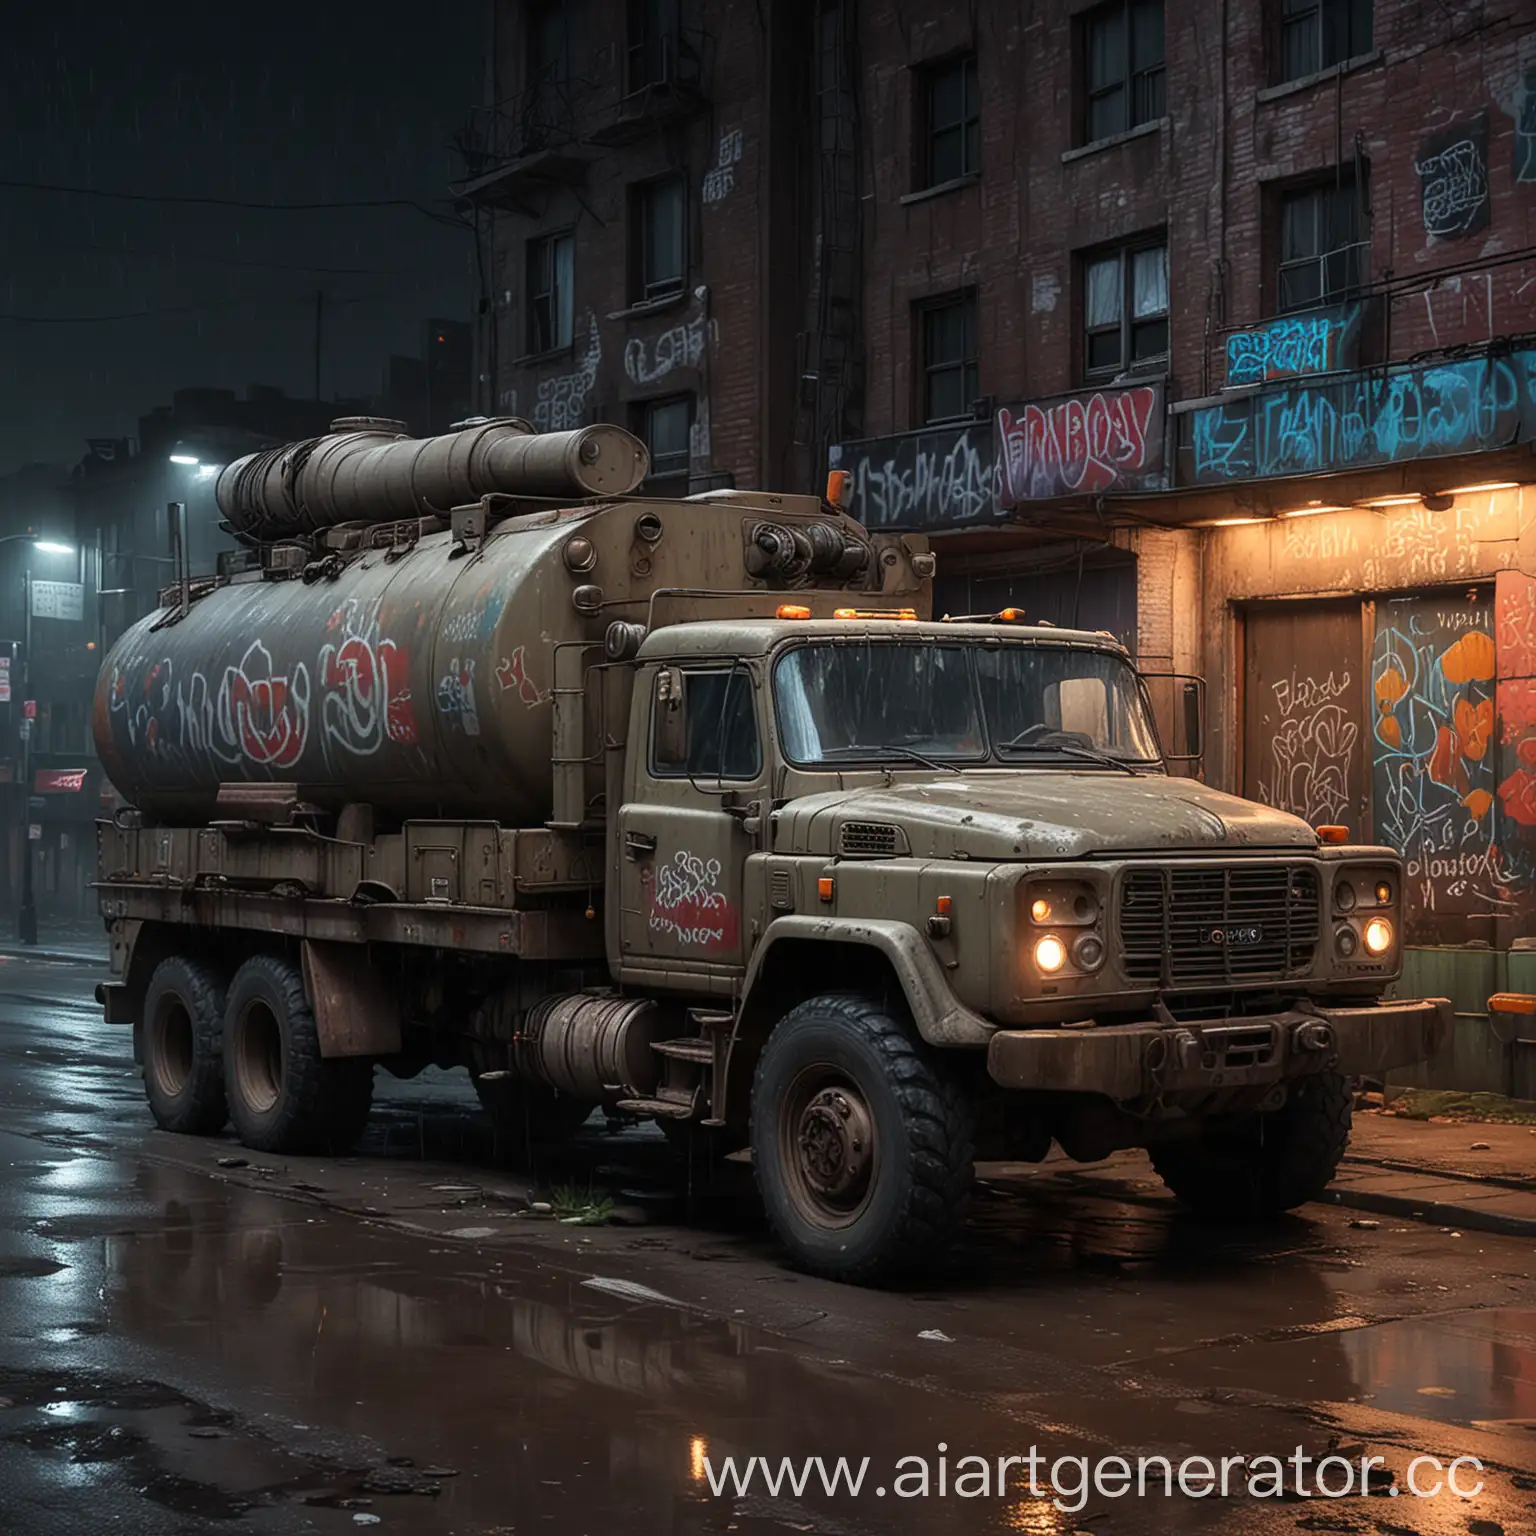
<point>1178,702</point>
<point>669,728</point>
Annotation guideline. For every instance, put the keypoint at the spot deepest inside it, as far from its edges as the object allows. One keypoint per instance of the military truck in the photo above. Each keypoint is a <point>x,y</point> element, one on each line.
<point>689,809</point>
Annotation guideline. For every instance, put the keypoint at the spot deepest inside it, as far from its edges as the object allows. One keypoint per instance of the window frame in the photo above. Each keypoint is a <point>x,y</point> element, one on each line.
<point>1353,254</point>
<point>968,123</point>
<point>1142,85</point>
<point>1128,321</point>
<point>968,363</point>
<point>644,410</point>
<point>1353,21</point>
<point>671,772</point>
<point>645,289</point>
<point>647,46</point>
<point>541,253</point>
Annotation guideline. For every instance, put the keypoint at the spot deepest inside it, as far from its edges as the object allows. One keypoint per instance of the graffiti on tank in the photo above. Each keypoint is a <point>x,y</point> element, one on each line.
<point>1295,345</point>
<point>456,695</point>
<point>681,347</point>
<point>1433,759</point>
<point>1087,444</point>
<point>266,712</point>
<point>935,479</point>
<point>560,404</point>
<point>1453,180</point>
<point>688,906</point>
<point>512,676</point>
<point>1311,748</point>
<point>1368,418</point>
<point>365,687</point>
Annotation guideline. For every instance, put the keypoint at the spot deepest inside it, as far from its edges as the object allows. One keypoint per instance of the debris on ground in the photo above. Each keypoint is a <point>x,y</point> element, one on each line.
<point>935,1336</point>
<point>1445,1105</point>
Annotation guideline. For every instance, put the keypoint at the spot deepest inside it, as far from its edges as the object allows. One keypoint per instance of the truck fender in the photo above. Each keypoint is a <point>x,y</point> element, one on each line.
<point>783,971</point>
<point>356,1014</point>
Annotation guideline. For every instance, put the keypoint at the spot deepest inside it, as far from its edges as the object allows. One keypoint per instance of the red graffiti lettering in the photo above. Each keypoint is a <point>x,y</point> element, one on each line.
<point>267,715</point>
<point>1088,444</point>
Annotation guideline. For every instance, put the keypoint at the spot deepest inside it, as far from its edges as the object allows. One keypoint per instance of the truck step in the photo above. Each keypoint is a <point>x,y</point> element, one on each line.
<point>685,1050</point>
<point>704,1019</point>
<point>662,1109</point>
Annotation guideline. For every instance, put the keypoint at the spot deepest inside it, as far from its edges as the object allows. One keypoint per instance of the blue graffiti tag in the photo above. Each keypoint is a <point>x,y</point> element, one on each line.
<point>1368,418</point>
<point>1320,342</point>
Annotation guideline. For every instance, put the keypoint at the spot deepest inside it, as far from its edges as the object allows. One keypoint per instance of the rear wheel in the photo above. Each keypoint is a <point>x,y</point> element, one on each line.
<point>284,1097</point>
<point>862,1145</point>
<point>183,1047</point>
<point>1262,1165</point>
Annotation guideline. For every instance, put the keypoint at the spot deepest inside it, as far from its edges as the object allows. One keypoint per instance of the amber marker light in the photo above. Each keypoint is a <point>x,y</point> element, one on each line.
<point>791,611</point>
<point>1040,909</point>
<point>824,888</point>
<point>1327,834</point>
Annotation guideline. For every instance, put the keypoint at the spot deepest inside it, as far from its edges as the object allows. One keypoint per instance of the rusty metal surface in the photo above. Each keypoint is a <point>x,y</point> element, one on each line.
<point>355,1012</point>
<point>375,475</point>
<point>1304,720</point>
<point>597,1048</point>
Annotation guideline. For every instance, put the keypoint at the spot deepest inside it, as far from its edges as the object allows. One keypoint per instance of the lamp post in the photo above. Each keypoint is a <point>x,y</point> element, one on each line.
<point>26,920</point>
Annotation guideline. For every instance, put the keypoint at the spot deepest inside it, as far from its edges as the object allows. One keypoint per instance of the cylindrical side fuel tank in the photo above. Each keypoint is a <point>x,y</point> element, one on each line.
<point>418,683</point>
<point>365,470</point>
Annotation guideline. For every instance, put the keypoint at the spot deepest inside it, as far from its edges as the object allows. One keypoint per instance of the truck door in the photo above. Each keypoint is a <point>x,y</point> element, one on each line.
<point>681,851</point>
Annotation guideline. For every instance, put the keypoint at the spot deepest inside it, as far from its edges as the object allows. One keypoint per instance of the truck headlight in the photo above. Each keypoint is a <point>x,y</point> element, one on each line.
<point>1378,936</point>
<point>1050,954</point>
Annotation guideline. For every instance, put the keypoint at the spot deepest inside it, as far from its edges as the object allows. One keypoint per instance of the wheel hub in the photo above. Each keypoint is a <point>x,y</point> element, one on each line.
<point>836,1144</point>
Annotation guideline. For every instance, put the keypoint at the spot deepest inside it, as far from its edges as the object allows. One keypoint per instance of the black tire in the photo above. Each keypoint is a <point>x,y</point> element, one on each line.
<point>861,1144</point>
<point>528,1117</point>
<point>1259,1166</point>
<point>183,1047</point>
<point>284,1097</point>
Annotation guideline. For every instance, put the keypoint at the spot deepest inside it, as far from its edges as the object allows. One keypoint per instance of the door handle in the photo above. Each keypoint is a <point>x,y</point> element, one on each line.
<point>637,844</point>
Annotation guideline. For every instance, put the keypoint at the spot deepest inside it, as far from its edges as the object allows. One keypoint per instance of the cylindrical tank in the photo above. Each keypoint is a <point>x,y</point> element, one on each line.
<point>416,682</point>
<point>366,470</point>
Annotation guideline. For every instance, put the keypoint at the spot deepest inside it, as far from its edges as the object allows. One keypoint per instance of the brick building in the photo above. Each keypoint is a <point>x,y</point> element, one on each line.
<point>1198,322</point>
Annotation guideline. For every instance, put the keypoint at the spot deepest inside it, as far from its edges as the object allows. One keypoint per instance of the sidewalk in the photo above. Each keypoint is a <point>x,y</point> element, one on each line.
<point>1463,1175</point>
<point>78,940</point>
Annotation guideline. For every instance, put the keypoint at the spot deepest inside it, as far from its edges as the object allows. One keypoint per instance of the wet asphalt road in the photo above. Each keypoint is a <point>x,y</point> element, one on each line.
<point>315,1345</point>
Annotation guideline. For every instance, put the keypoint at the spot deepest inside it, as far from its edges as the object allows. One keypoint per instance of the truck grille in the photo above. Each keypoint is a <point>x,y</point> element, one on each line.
<point>1242,923</point>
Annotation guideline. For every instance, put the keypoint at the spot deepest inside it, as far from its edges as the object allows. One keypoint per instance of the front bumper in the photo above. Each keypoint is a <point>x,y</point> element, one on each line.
<point>1156,1061</point>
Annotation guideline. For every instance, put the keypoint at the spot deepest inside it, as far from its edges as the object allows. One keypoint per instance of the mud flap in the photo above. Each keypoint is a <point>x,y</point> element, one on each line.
<point>355,1012</point>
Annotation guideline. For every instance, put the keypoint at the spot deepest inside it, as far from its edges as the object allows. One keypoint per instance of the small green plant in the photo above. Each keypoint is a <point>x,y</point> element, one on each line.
<point>580,1207</point>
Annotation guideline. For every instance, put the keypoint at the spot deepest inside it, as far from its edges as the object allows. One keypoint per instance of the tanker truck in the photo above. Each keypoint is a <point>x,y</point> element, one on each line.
<point>689,809</point>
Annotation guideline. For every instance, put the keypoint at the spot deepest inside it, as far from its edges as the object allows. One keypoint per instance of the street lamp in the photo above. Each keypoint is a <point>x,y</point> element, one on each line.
<point>26,918</point>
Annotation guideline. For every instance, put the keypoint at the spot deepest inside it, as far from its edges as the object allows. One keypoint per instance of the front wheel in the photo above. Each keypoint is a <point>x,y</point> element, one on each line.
<point>1261,1165</point>
<point>862,1146</point>
<point>284,1097</point>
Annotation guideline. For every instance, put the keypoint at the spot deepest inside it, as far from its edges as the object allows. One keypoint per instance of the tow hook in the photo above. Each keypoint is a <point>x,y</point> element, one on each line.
<point>1314,1036</point>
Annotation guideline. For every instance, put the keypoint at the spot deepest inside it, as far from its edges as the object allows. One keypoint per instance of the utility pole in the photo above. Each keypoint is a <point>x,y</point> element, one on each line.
<point>319,314</point>
<point>26,922</point>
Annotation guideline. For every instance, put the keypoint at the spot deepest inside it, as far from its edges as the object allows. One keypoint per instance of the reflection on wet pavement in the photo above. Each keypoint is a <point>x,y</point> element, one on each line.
<point>182,1349</point>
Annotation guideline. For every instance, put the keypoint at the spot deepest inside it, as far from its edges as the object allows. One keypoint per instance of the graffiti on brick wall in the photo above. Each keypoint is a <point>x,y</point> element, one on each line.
<point>1433,761</point>
<point>1111,440</point>
<point>1525,124</point>
<point>939,479</point>
<point>681,346</point>
<point>1323,341</point>
<point>561,403</point>
<point>720,178</point>
<point>1378,417</point>
<point>1453,179</point>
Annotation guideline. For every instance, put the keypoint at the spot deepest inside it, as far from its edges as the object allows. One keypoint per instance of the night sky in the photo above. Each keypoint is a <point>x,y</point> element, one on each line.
<point>277,102</point>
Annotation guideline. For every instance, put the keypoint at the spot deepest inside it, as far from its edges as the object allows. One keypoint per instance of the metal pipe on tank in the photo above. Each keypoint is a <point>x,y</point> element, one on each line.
<point>364,470</point>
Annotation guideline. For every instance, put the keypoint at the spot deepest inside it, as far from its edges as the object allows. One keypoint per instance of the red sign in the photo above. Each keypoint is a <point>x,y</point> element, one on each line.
<point>59,781</point>
<point>29,709</point>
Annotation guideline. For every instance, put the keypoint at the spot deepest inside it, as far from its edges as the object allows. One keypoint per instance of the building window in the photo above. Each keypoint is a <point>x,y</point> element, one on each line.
<point>1317,33</point>
<point>950,369</point>
<point>1123,67</point>
<point>545,116</point>
<point>1125,309</point>
<point>952,119</point>
<point>1323,244</point>
<point>659,221</point>
<point>654,30</point>
<point>551,265</point>
<point>665,426</point>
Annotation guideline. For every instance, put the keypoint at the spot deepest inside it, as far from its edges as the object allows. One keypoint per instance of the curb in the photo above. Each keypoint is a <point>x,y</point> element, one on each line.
<point>61,956</point>
<point>1432,1212</point>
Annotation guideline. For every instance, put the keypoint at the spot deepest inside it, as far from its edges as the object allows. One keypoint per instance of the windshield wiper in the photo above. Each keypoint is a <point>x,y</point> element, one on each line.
<point>875,755</point>
<point>1070,749</point>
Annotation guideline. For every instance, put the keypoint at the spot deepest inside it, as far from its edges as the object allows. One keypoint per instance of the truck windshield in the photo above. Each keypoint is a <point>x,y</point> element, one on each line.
<point>839,702</point>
